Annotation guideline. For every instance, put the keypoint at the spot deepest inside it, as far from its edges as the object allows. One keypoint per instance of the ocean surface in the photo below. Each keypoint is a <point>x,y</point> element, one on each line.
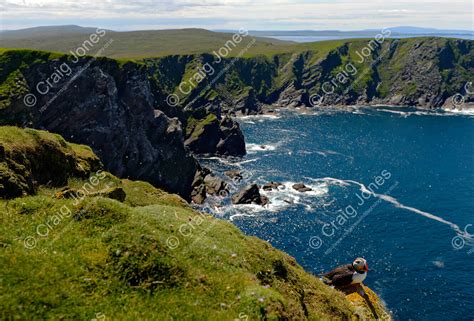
<point>324,38</point>
<point>393,185</point>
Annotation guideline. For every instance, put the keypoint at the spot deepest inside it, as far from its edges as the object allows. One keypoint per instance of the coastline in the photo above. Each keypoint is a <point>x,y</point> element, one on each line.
<point>273,110</point>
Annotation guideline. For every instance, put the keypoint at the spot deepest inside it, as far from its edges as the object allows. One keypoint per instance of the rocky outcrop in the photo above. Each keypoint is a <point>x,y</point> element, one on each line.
<point>215,185</point>
<point>207,183</point>
<point>211,136</point>
<point>232,142</point>
<point>250,195</point>
<point>248,103</point>
<point>112,109</point>
<point>30,158</point>
<point>423,72</point>
<point>198,194</point>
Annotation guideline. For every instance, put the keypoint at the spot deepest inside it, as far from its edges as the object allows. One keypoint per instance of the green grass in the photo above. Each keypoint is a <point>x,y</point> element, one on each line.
<point>195,127</point>
<point>141,44</point>
<point>137,45</point>
<point>108,257</point>
<point>29,158</point>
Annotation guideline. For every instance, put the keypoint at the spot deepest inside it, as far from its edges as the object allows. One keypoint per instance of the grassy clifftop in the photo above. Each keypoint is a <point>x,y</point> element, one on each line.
<point>105,247</point>
<point>29,158</point>
<point>425,72</point>
<point>140,44</point>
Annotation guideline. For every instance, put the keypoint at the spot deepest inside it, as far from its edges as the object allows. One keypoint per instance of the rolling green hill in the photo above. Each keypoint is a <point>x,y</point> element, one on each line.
<point>139,44</point>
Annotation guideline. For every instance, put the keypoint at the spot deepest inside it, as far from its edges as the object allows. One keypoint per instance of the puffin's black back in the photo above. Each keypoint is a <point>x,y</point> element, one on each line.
<point>340,276</point>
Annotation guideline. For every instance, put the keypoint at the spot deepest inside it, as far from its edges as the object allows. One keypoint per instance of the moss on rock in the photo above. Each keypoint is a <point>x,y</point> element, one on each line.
<point>29,158</point>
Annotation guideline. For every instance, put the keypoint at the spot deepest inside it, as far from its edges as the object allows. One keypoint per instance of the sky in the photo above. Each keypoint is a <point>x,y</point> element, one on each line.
<point>235,14</point>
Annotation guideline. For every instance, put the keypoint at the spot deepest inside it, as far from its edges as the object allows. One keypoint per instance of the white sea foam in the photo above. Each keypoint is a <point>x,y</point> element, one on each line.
<point>424,112</point>
<point>394,201</point>
<point>253,148</point>
<point>438,264</point>
<point>466,111</point>
<point>283,197</point>
<point>244,162</point>
<point>259,117</point>
<point>328,152</point>
<point>234,216</point>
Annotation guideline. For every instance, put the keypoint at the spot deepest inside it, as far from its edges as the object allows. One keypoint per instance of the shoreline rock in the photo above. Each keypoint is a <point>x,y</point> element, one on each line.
<point>302,188</point>
<point>235,175</point>
<point>250,195</point>
<point>271,186</point>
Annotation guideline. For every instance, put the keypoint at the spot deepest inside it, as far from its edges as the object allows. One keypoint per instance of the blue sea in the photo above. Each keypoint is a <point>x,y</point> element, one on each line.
<point>393,185</point>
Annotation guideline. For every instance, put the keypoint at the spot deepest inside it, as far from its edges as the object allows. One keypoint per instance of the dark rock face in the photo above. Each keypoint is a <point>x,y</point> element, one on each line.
<point>423,72</point>
<point>204,137</point>
<point>215,185</point>
<point>232,142</point>
<point>213,137</point>
<point>300,187</point>
<point>249,195</point>
<point>248,104</point>
<point>206,183</point>
<point>112,110</point>
<point>198,194</point>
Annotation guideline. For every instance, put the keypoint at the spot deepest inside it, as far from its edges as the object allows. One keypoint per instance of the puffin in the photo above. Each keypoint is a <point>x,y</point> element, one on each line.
<point>348,274</point>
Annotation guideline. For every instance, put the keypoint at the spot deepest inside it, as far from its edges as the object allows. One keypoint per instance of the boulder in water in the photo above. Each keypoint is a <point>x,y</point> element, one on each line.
<point>300,187</point>
<point>250,195</point>
<point>235,175</point>
<point>271,186</point>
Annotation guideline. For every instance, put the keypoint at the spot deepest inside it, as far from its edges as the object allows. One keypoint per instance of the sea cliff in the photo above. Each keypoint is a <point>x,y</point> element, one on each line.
<point>146,118</point>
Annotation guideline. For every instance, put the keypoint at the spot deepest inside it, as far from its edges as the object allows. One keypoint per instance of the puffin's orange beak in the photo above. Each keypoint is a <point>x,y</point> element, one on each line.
<point>366,267</point>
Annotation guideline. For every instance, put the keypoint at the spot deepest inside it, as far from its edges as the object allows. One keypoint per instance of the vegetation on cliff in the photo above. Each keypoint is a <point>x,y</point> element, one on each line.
<point>122,109</point>
<point>423,72</point>
<point>73,251</point>
<point>30,158</point>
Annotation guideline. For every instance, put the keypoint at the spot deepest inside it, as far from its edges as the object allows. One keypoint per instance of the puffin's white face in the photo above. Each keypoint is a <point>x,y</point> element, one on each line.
<point>360,265</point>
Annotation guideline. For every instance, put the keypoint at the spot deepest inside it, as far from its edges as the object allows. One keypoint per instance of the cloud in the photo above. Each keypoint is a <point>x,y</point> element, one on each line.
<point>251,14</point>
